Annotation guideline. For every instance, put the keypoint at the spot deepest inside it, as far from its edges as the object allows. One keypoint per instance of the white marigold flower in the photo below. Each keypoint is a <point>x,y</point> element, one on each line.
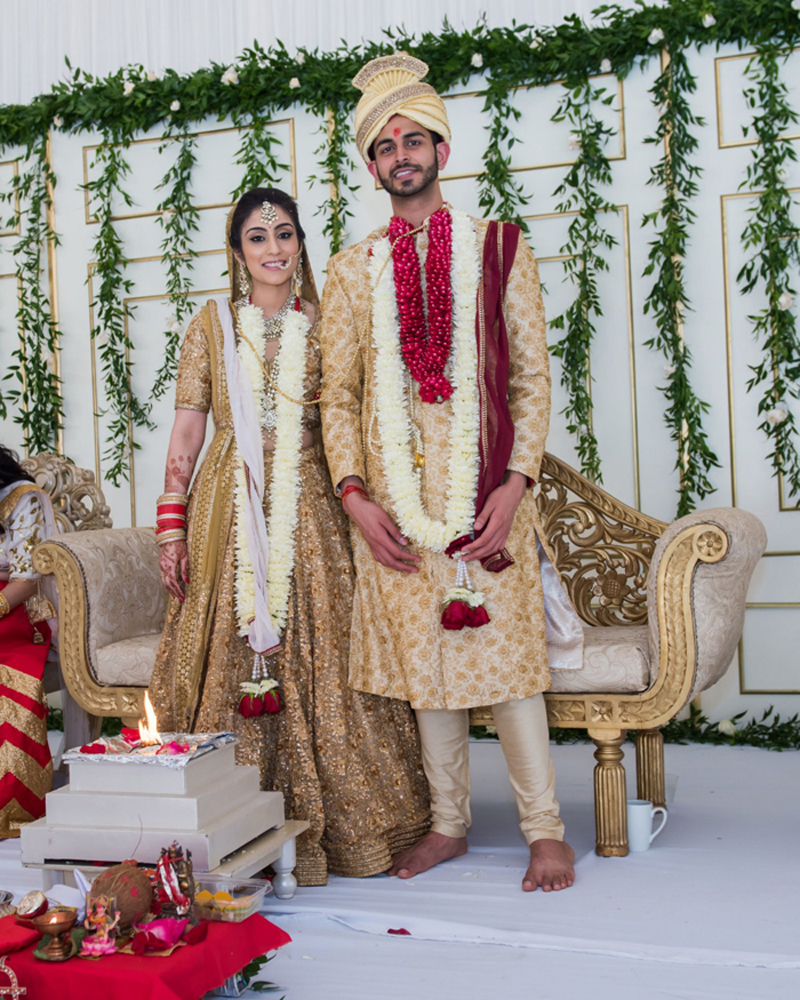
<point>776,415</point>
<point>669,370</point>
<point>294,83</point>
<point>785,302</point>
<point>726,727</point>
<point>709,20</point>
<point>230,76</point>
<point>477,60</point>
<point>58,121</point>
<point>300,58</point>
<point>152,76</point>
<point>128,88</point>
<point>605,66</point>
<point>175,106</point>
<point>655,36</point>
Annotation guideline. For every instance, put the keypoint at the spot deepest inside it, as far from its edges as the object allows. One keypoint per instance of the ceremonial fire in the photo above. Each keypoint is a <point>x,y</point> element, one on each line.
<point>148,726</point>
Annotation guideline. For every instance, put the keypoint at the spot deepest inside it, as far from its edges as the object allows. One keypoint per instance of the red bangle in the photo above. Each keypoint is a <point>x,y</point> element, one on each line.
<point>353,489</point>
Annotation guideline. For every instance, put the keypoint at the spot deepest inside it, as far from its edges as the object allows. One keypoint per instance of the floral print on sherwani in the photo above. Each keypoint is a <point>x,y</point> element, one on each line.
<point>398,646</point>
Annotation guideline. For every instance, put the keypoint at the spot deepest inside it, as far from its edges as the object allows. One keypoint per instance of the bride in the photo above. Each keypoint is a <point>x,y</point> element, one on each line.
<point>256,556</point>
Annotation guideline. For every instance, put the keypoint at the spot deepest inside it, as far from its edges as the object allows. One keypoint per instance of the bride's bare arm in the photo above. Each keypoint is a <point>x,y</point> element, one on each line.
<point>185,444</point>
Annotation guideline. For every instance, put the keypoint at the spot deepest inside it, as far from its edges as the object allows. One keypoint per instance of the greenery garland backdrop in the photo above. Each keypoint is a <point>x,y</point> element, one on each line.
<point>264,81</point>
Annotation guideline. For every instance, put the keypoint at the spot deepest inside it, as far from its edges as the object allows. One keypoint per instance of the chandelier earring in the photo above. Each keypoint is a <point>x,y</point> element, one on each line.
<point>297,279</point>
<point>245,284</point>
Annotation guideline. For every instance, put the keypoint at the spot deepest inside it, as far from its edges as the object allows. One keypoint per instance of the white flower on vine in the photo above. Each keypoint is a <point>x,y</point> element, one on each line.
<point>655,36</point>
<point>230,76</point>
<point>605,66</point>
<point>294,83</point>
<point>174,325</point>
<point>709,20</point>
<point>58,121</point>
<point>726,727</point>
<point>776,415</point>
<point>477,60</point>
<point>128,88</point>
<point>175,106</point>
<point>796,4</point>
<point>574,143</point>
<point>669,370</point>
<point>300,58</point>
<point>785,302</point>
<point>536,42</point>
<point>152,76</point>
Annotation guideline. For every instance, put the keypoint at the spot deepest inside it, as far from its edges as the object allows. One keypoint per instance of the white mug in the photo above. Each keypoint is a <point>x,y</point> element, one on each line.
<point>640,824</point>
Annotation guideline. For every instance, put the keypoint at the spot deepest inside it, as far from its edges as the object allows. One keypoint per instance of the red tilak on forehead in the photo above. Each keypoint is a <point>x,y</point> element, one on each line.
<point>397,132</point>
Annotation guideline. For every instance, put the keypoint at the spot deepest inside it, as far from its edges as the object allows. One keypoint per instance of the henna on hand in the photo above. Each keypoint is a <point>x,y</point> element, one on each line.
<point>174,565</point>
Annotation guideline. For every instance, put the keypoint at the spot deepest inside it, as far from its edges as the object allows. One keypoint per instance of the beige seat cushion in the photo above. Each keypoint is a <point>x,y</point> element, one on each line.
<point>616,660</point>
<point>129,662</point>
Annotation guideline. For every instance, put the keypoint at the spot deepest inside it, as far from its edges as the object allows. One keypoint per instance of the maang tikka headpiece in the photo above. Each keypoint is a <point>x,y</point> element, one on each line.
<point>268,214</point>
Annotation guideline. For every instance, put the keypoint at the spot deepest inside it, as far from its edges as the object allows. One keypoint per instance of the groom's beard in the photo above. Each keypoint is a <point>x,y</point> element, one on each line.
<point>421,179</point>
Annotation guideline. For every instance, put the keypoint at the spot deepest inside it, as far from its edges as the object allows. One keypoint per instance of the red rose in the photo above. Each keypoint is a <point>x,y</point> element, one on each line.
<point>477,617</point>
<point>272,702</point>
<point>250,706</point>
<point>454,616</point>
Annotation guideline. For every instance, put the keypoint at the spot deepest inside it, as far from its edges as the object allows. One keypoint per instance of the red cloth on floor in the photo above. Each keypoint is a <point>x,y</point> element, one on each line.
<point>15,937</point>
<point>187,974</point>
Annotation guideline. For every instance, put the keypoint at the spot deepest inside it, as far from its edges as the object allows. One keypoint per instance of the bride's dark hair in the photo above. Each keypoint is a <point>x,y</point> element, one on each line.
<point>10,469</point>
<point>254,199</point>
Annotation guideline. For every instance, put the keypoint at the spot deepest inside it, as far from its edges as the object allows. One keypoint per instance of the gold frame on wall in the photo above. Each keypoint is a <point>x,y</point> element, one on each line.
<point>720,124</point>
<point>91,220</point>
<point>724,199</point>
<point>556,258</point>
<point>91,267</point>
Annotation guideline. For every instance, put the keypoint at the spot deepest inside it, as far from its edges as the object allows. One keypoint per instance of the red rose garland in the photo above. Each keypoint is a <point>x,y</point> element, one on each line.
<point>425,352</point>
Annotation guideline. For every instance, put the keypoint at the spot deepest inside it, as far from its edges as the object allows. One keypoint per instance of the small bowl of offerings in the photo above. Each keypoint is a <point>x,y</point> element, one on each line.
<point>228,900</point>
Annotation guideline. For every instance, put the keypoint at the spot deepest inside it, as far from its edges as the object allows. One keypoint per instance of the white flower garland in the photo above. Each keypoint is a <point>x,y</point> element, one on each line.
<point>285,483</point>
<point>394,421</point>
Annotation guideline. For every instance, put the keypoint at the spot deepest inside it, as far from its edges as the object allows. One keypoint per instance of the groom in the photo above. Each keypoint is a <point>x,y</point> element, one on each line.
<point>435,407</point>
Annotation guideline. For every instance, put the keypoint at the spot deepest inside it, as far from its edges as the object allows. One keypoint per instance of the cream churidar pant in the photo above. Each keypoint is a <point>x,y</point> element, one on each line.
<point>525,739</point>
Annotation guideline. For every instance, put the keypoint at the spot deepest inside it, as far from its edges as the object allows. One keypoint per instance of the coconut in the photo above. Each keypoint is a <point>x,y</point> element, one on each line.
<point>130,887</point>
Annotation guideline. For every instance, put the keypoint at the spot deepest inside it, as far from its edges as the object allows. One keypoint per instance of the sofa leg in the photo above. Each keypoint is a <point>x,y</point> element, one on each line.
<point>79,726</point>
<point>650,766</point>
<point>610,793</point>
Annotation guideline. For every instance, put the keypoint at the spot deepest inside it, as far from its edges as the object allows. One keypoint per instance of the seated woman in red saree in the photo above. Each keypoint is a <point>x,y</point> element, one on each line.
<point>26,770</point>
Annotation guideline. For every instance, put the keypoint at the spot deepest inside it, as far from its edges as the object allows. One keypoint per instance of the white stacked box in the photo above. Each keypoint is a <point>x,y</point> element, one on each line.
<point>111,812</point>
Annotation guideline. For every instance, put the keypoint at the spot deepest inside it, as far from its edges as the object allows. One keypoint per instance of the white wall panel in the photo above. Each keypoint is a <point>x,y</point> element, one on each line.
<point>637,455</point>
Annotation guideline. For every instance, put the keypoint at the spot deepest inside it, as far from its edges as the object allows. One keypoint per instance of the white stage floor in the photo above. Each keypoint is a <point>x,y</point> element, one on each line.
<point>711,911</point>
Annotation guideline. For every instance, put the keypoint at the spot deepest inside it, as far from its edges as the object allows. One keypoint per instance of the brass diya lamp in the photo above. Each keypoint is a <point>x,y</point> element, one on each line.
<point>57,922</point>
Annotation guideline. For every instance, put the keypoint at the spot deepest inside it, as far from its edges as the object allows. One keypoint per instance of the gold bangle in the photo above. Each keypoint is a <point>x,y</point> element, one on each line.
<point>173,535</point>
<point>5,607</point>
<point>173,498</point>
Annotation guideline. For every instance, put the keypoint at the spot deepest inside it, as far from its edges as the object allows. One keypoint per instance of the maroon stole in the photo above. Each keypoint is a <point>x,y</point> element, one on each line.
<point>496,426</point>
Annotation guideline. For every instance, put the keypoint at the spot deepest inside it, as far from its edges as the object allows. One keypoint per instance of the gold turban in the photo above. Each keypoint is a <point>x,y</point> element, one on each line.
<point>392,85</point>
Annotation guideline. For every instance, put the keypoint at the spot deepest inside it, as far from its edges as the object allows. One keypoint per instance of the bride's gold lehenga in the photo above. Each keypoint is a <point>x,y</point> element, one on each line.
<point>348,762</point>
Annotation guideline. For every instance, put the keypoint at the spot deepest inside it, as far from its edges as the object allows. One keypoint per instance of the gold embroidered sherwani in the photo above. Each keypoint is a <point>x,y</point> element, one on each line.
<point>398,646</point>
<point>346,762</point>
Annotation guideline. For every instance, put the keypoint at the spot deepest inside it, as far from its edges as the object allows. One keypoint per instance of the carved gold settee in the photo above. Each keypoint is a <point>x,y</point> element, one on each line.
<point>663,607</point>
<point>78,505</point>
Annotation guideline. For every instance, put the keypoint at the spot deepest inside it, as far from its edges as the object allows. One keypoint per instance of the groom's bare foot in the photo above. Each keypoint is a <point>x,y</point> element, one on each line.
<point>431,850</point>
<point>551,866</point>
